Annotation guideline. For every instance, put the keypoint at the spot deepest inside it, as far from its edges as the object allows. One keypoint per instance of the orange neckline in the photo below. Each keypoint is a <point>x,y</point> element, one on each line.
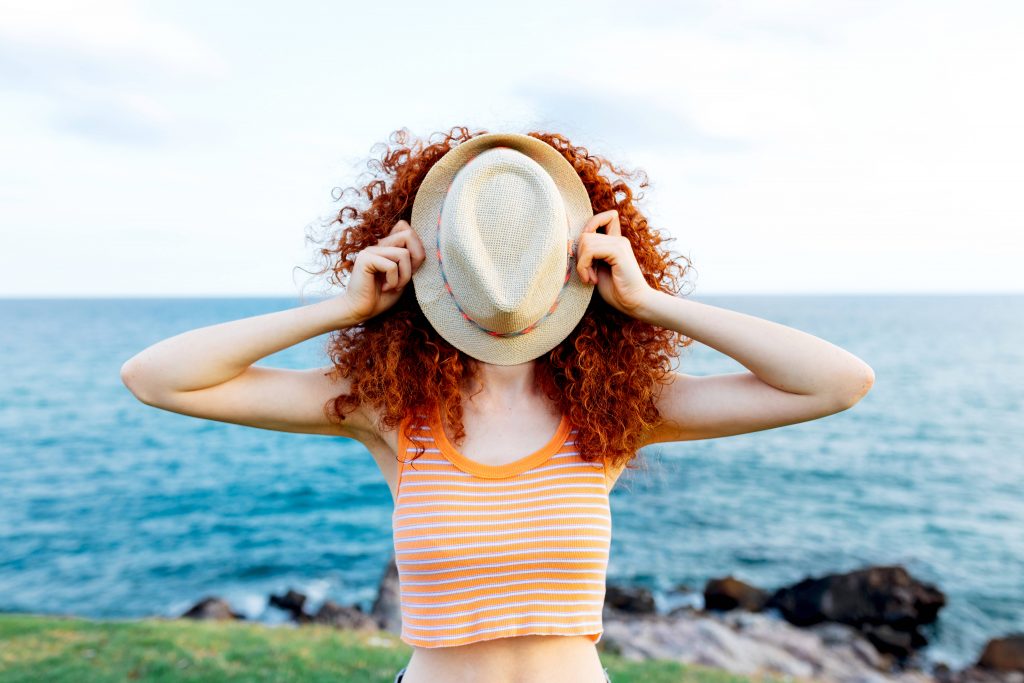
<point>498,471</point>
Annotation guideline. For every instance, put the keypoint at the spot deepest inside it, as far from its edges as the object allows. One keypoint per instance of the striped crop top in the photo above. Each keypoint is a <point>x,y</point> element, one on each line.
<point>492,551</point>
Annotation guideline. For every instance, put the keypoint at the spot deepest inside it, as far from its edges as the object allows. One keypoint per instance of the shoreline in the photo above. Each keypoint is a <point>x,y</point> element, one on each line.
<point>859,626</point>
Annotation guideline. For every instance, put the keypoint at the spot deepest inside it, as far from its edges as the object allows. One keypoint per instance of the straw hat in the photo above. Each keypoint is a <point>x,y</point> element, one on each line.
<point>499,216</point>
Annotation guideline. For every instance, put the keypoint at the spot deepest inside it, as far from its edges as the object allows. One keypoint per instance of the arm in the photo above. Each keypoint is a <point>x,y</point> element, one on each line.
<point>793,376</point>
<point>209,372</point>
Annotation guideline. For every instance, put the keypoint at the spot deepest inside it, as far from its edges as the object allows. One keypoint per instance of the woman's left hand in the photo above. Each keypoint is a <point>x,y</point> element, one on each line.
<point>619,278</point>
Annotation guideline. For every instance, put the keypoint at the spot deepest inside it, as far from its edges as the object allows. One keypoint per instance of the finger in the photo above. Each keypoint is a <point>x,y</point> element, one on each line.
<point>378,263</point>
<point>583,257</point>
<point>404,268</point>
<point>593,248</point>
<point>608,218</point>
<point>407,238</point>
<point>612,227</point>
<point>411,241</point>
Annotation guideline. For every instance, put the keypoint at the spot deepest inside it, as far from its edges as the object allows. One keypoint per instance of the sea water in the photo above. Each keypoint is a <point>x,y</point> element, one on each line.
<point>111,508</point>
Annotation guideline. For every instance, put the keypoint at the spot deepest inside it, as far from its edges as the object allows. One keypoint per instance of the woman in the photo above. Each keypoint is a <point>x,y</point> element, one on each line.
<point>501,399</point>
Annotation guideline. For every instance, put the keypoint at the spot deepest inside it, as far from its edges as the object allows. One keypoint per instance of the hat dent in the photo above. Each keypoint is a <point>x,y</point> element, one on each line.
<point>504,233</point>
<point>504,248</point>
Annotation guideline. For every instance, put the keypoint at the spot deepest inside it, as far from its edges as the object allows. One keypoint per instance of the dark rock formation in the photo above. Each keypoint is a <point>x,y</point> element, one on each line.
<point>731,593</point>
<point>1003,654</point>
<point>631,599</point>
<point>292,602</point>
<point>885,602</point>
<point>387,608</point>
<point>1001,661</point>
<point>341,616</point>
<point>211,607</point>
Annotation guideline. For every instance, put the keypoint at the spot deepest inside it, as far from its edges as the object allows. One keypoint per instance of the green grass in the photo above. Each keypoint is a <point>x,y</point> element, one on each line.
<point>63,649</point>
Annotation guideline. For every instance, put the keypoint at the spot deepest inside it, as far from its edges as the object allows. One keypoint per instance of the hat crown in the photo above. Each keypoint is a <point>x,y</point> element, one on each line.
<point>503,239</point>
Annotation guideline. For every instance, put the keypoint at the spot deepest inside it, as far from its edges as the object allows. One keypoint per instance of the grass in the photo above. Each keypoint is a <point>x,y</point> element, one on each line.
<point>65,649</point>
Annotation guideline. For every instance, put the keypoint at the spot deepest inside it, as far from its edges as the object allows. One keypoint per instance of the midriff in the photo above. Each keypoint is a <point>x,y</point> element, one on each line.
<point>538,659</point>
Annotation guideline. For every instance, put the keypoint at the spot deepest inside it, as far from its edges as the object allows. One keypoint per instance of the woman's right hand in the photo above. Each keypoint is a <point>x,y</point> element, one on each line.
<point>381,272</point>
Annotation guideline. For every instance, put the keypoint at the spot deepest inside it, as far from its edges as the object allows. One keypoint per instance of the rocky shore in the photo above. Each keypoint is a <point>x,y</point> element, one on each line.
<point>862,626</point>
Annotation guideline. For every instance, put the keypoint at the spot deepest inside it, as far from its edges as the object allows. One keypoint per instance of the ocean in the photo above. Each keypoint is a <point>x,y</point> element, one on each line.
<point>111,508</point>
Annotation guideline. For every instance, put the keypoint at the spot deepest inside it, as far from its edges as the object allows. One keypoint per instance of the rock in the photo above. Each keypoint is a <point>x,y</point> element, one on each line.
<point>292,602</point>
<point>631,599</point>
<point>753,644</point>
<point>977,674</point>
<point>387,608</point>
<point>1003,654</point>
<point>893,641</point>
<point>731,593</point>
<point>213,608</point>
<point>885,601</point>
<point>341,616</point>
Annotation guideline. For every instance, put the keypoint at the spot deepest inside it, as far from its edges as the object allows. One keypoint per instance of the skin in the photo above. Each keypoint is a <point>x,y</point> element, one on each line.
<point>209,373</point>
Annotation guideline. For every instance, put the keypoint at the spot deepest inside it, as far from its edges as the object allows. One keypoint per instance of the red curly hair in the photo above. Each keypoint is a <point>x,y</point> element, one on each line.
<point>603,375</point>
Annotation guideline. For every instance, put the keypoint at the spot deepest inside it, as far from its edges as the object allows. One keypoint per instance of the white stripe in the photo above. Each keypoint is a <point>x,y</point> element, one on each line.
<point>503,498</point>
<point>503,542</point>
<point>497,533</point>
<point>431,594</point>
<point>531,625</point>
<point>509,513</point>
<point>497,522</point>
<point>469,612</point>
<point>517,572</point>
<point>495,565</point>
<point>500,617</point>
<point>487,556</point>
<point>478,598</point>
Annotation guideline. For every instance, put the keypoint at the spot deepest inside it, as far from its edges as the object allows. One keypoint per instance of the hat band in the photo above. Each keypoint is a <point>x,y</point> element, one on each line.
<point>447,286</point>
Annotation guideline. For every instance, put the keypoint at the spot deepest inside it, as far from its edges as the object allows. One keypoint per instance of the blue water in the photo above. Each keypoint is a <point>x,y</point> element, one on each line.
<point>111,508</point>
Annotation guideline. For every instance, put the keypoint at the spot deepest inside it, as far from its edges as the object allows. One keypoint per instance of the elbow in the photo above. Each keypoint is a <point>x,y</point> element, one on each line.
<point>855,388</point>
<point>134,380</point>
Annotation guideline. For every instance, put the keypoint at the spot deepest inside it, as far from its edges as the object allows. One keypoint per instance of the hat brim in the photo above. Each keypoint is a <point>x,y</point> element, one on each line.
<point>436,302</point>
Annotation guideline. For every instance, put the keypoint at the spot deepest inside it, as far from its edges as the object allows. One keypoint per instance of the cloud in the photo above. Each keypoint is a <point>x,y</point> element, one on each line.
<point>129,119</point>
<point>629,121</point>
<point>101,67</point>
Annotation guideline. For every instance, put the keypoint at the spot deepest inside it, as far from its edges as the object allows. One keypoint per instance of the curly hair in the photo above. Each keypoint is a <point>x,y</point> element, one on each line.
<point>602,376</point>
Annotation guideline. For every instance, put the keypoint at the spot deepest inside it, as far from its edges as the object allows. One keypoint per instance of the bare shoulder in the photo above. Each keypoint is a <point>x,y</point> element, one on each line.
<point>361,422</point>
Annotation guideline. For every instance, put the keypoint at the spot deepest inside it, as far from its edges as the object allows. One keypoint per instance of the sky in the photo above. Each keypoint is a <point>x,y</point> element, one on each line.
<point>191,148</point>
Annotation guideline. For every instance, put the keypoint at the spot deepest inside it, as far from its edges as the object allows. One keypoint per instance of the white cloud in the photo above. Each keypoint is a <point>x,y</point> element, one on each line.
<point>790,146</point>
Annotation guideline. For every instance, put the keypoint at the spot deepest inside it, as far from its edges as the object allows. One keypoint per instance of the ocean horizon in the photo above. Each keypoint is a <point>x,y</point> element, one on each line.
<point>115,509</point>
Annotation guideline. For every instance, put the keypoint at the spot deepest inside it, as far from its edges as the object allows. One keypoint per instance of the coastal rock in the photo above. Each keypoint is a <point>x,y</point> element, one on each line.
<point>341,616</point>
<point>212,608</point>
<point>631,599</point>
<point>977,674</point>
<point>885,602</point>
<point>1003,654</point>
<point>731,593</point>
<point>753,644</point>
<point>292,602</point>
<point>387,608</point>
